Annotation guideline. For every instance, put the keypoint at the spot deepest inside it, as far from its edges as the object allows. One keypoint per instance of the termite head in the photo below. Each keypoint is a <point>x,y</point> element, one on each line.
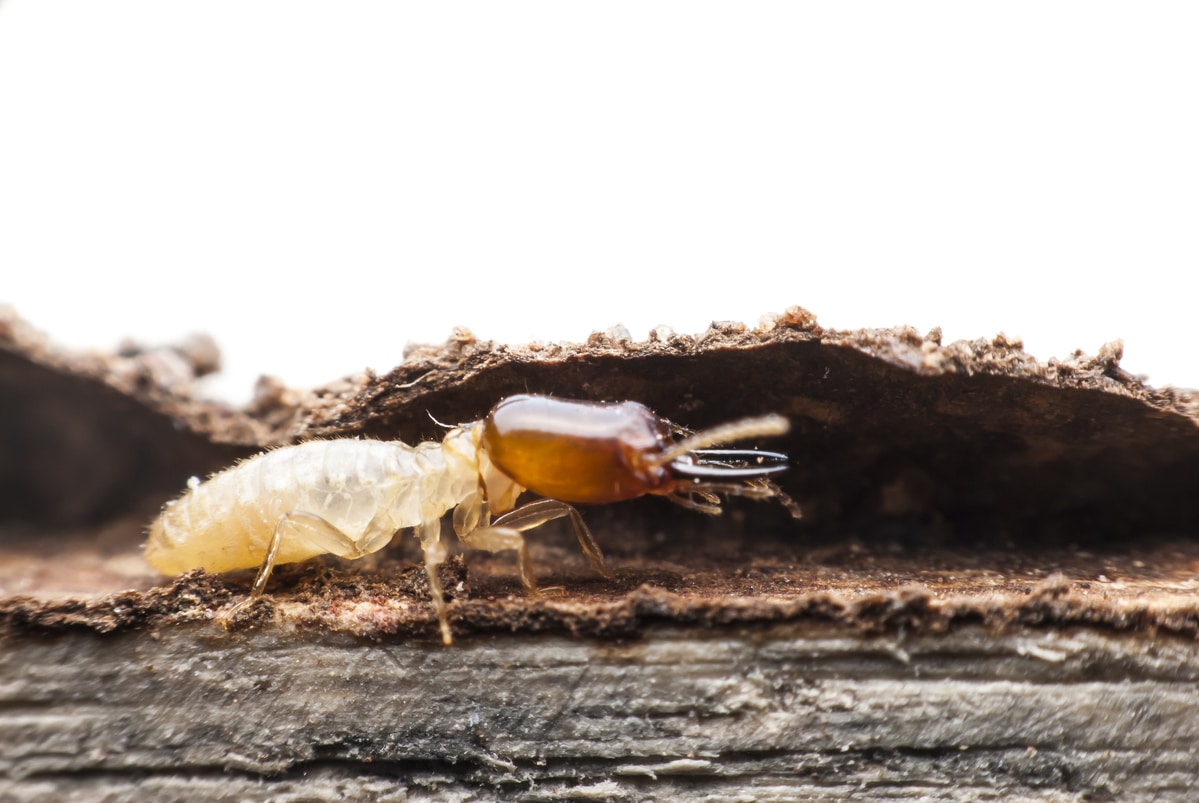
<point>596,453</point>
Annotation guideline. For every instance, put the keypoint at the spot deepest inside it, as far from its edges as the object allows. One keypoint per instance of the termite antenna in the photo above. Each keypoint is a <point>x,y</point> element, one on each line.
<point>763,426</point>
<point>438,423</point>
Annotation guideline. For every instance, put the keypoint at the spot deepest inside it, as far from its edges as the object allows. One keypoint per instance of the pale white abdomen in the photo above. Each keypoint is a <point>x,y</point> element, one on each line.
<point>227,522</point>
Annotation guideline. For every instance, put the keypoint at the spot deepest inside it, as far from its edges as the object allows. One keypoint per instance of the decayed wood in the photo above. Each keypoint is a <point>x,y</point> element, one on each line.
<point>764,714</point>
<point>993,592</point>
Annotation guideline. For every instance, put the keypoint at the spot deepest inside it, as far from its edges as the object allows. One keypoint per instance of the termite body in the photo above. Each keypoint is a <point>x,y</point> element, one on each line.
<point>350,497</point>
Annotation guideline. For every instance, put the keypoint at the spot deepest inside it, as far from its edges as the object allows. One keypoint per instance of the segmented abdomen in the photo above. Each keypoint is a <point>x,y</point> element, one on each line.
<point>227,522</point>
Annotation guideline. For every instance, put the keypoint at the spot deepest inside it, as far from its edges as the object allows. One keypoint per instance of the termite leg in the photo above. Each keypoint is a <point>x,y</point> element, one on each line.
<point>429,533</point>
<point>540,511</point>
<point>507,532</point>
<point>501,539</point>
<point>312,530</point>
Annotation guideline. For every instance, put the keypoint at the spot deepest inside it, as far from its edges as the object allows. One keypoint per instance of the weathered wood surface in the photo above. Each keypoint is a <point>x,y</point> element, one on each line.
<point>993,593</point>
<point>779,713</point>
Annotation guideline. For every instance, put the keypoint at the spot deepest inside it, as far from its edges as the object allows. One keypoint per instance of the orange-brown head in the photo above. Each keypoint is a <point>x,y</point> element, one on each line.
<point>596,453</point>
<point>576,451</point>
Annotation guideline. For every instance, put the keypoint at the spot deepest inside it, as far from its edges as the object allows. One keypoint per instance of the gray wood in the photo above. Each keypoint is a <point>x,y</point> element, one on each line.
<point>193,713</point>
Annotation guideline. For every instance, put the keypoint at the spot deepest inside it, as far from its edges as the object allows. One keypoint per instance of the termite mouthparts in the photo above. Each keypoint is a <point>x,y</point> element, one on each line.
<point>349,497</point>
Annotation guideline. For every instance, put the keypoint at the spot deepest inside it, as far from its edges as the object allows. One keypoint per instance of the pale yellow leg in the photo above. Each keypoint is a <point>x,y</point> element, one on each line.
<point>540,511</point>
<point>316,532</point>
<point>429,534</point>
<point>501,539</point>
<point>507,532</point>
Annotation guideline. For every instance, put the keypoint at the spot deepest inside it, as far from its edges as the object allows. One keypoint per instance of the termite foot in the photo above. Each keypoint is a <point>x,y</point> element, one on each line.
<point>443,627</point>
<point>245,613</point>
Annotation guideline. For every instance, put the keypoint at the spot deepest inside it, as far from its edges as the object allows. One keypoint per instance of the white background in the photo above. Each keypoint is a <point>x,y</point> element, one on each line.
<point>317,183</point>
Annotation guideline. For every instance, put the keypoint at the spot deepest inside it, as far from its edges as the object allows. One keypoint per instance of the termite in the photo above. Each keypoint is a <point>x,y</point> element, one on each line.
<point>349,497</point>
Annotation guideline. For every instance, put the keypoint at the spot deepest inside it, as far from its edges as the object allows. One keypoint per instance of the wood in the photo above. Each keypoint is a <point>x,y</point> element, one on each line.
<point>993,593</point>
<point>772,714</point>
